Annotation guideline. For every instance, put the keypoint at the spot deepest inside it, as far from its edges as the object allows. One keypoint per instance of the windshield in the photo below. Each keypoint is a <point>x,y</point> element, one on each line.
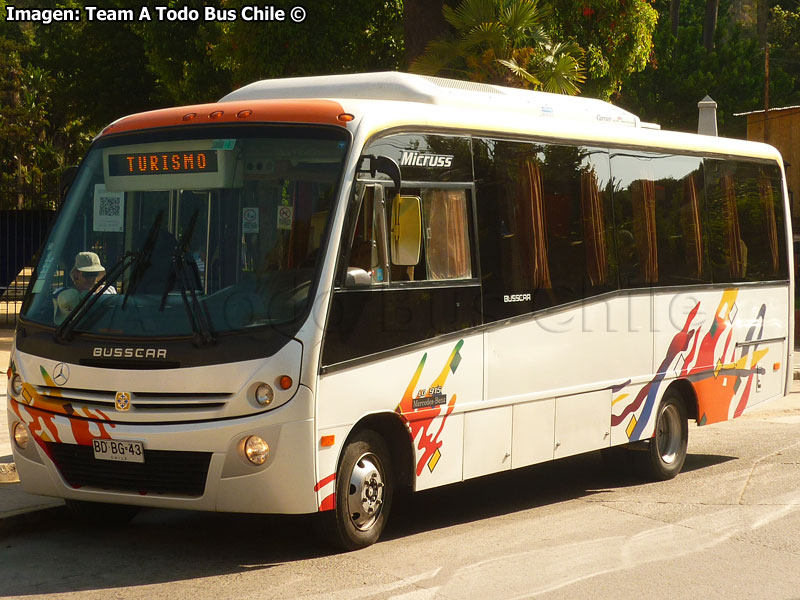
<point>189,232</point>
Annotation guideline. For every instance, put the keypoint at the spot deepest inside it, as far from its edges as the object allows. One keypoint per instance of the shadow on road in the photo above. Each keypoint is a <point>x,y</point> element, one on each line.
<point>162,546</point>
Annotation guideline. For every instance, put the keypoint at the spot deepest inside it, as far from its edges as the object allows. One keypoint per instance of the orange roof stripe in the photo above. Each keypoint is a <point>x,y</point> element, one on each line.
<point>282,111</point>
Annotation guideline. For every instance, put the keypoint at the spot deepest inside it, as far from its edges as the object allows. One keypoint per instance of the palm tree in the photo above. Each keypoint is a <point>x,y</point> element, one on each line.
<point>503,42</point>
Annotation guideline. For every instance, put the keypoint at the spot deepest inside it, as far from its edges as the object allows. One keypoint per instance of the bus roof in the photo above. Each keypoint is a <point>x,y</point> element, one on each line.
<point>406,87</point>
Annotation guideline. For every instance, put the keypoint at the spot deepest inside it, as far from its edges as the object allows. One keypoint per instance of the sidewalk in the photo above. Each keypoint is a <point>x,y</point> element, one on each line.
<point>18,507</point>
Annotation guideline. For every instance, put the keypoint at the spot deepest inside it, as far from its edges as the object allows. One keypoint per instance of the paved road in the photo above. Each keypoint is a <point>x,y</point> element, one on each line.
<point>728,527</point>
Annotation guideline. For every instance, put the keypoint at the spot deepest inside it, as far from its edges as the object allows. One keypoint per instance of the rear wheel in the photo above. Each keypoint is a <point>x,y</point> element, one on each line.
<point>364,489</point>
<point>667,451</point>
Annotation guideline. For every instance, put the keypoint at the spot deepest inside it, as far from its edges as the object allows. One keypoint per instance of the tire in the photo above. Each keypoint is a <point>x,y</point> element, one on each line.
<point>101,514</point>
<point>667,449</point>
<point>364,490</point>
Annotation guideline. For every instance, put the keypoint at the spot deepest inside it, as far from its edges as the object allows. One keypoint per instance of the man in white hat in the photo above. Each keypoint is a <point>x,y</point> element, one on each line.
<point>84,274</point>
<point>87,271</point>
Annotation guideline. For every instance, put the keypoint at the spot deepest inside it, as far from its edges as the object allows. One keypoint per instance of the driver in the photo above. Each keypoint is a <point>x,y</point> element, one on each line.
<point>85,273</point>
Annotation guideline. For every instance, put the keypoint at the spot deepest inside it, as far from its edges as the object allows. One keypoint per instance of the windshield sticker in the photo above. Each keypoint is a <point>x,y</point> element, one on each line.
<point>223,144</point>
<point>250,220</point>
<point>109,209</point>
<point>285,217</point>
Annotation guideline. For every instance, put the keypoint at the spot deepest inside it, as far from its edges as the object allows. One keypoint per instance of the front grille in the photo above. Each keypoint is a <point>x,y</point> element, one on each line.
<point>162,472</point>
<point>141,401</point>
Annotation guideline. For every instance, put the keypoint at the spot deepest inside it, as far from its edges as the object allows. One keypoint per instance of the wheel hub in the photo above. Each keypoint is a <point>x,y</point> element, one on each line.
<point>365,498</point>
<point>668,434</point>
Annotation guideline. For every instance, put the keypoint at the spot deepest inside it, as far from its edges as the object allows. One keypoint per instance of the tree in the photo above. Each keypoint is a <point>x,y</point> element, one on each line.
<point>423,21</point>
<point>503,42</point>
<point>617,36</point>
<point>338,36</point>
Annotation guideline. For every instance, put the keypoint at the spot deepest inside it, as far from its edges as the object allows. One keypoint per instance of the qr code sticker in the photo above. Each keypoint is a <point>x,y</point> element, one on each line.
<point>110,206</point>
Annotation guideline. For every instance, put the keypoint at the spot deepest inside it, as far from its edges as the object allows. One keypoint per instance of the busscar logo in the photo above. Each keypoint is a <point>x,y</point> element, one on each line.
<point>517,298</point>
<point>417,159</point>
<point>101,352</point>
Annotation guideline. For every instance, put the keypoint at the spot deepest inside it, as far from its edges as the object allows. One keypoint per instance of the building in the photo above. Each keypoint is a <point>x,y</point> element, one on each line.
<point>781,128</point>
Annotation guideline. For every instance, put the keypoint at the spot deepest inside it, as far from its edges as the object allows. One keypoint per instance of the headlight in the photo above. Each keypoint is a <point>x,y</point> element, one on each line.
<point>256,450</point>
<point>264,394</point>
<point>20,435</point>
<point>16,384</point>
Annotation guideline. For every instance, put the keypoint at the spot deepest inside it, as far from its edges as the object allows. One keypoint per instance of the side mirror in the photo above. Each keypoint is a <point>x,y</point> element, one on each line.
<point>406,230</point>
<point>381,164</point>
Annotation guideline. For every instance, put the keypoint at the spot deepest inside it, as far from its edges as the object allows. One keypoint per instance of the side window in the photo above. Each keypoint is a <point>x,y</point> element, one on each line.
<point>660,214</point>
<point>635,215</point>
<point>445,244</point>
<point>746,221</point>
<point>367,258</point>
<point>545,225</point>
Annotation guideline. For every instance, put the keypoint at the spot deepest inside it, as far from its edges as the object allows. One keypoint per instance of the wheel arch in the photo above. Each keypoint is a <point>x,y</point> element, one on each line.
<point>688,395</point>
<point>394,432</point>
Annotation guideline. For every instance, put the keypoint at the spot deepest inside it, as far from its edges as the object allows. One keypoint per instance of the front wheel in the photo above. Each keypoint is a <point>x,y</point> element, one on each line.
<point>364,489</point>
<point>667,451</point>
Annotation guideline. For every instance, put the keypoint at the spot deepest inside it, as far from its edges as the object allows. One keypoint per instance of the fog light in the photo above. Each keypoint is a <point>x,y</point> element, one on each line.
<point>20,435</point>
<point>16,384</point>
<point>256,450</point>
<point>264,394</point>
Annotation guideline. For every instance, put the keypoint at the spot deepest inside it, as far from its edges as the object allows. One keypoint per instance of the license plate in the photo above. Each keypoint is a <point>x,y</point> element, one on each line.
<point>119,450</point>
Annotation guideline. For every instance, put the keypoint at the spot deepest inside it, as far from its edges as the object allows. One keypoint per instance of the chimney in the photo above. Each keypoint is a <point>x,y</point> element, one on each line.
<point>707,118</point>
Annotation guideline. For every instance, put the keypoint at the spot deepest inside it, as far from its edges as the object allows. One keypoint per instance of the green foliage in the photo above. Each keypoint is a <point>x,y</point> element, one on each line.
<point>338,36</point>
<point>60,84</point>
<point>503,42</point>
<point>616,35</point>
<point>681,72</point>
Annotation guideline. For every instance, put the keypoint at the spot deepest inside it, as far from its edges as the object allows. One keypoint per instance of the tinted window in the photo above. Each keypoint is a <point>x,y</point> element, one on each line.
<point>746,221</point>
<point>427,157</point>
<point>659,209</point>
<point>545,225</point>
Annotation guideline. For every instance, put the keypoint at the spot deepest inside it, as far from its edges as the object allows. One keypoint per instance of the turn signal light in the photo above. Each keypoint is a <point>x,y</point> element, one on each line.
<point>345,117</point>
<point>776,366</point>
<point>285,382</point>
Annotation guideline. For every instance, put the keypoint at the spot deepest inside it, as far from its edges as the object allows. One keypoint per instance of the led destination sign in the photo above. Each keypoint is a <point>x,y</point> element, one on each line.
<point>162,163</point>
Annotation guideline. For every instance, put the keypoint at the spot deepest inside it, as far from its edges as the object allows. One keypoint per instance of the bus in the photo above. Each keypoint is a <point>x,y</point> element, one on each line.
<point>318,292</point>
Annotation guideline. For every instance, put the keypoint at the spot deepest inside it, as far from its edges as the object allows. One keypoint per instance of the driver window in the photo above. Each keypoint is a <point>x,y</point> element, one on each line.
<point>366,264</point>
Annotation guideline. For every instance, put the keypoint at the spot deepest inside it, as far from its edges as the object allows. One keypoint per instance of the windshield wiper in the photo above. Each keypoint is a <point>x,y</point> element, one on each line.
<point>142,257</point>
<point>185,276</point>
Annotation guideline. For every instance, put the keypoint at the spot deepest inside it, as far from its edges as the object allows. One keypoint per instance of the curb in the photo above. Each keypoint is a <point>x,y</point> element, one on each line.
<point>8,473</point>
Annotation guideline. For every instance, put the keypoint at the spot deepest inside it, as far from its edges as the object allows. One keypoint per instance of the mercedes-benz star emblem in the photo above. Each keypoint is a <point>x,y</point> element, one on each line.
<point>61,374</point>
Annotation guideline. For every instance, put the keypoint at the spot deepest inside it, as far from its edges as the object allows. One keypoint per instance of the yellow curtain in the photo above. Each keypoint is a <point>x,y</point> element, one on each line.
<point>594,229</point>
<point>448,247</point>
<point>765,193</point>
<point>691,226</point>
<point>541,268</point>
<point>733,234</point>
<point>643,196</point>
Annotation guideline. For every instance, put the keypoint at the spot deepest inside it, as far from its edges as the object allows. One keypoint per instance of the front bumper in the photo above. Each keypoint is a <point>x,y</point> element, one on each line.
<point>284,484</point>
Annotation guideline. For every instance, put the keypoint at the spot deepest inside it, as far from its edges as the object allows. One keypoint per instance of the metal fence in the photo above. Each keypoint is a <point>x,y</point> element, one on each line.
<point>22,233</point>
